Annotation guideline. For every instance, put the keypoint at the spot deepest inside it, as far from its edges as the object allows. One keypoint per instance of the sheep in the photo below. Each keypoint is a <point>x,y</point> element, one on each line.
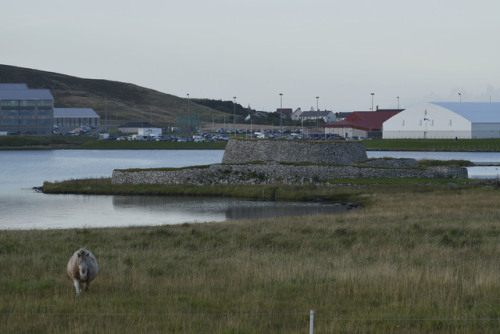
<point>82,267</point>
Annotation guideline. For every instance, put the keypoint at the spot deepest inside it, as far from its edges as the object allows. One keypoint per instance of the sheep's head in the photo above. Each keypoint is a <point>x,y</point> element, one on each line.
<point>82,264</point>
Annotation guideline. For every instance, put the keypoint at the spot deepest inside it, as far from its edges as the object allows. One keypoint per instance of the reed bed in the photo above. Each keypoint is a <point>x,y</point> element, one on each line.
<point>415,259</point>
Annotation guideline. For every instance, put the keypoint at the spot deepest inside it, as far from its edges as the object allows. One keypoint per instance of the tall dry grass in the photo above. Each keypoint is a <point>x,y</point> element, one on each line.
<point>418,259</point>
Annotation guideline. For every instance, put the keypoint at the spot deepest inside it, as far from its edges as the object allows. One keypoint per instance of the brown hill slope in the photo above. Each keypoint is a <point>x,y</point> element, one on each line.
<point>123,102</point>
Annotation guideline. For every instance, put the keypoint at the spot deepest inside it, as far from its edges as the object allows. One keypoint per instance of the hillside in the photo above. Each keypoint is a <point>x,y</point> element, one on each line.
<point>124,102</point>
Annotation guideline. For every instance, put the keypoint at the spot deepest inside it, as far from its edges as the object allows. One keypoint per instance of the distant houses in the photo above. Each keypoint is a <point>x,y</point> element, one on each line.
<point>312,115</point>
<point>285,112</point>
<point>26,111</point>
<point>317,115</point>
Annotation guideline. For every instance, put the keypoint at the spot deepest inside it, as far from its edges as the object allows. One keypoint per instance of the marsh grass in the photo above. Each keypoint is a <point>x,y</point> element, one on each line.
<point>103,186</point>
<point>415,259</point>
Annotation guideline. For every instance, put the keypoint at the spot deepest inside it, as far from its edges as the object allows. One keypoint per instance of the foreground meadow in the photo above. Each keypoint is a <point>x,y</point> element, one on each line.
<point>416,258</point>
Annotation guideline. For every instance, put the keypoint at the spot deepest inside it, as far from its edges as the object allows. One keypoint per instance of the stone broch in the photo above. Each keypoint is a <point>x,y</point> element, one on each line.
<point>287,162</point>
<point>322,152</point>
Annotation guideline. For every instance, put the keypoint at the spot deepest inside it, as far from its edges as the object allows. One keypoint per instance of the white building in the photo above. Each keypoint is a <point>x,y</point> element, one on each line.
<point>445,120</point>
<point>149,132</point>
<point>296,114</point>
<point>313,115</point>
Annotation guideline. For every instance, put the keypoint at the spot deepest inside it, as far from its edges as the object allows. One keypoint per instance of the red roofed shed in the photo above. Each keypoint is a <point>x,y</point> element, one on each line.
<point>361,124</point>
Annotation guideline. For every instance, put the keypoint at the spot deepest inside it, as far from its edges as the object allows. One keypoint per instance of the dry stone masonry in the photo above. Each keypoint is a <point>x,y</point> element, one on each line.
<point>287,162</point>
<point>321,152</point>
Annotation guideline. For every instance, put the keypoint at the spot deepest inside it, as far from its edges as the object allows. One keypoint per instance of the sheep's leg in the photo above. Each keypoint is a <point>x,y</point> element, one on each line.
<point>87,286</point>
<point>77,286</point>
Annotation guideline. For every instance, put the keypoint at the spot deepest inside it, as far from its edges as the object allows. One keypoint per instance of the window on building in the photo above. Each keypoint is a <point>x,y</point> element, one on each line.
<point>28,121</point>
<point>45,103</point>
<point>9,112</point>
<point>27,103</point>
<point>27,112</point>
<point>10,122</point>
<point>9,103</point>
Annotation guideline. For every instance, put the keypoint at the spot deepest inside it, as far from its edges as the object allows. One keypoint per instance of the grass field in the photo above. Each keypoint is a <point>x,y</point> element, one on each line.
<point>461,145</point>
<point>62,142</point>
<point>421,258</point>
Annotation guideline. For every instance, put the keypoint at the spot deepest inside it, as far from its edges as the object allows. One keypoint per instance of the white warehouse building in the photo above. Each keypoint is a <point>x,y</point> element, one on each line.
<point>467,120</point>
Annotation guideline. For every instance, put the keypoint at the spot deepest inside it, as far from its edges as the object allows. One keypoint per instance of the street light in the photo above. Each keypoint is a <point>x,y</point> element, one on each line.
<point>372,99</point>
<point>281,110</point>
<point>460,96</point>
<point>188,113</point>
<point>317,99</point>
<point>398,102</point>
<point>234,114</point>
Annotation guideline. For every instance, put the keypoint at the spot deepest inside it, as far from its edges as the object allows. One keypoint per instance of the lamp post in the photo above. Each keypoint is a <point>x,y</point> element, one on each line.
<point>234,114</point>
<point>460,96</point>
<point>398,102</point>
<point>188,113</point>
<point>281,110</point>
<point>317,105</point>
<point>372,99</point>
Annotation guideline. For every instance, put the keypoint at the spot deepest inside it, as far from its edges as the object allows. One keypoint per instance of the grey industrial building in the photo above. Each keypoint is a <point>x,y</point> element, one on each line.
<point>25,111</point>
<point>70,118</point>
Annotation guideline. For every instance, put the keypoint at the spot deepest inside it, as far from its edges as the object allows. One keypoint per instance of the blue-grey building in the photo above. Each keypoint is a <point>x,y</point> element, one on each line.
<point>70,118</point>
<point>25,111</point>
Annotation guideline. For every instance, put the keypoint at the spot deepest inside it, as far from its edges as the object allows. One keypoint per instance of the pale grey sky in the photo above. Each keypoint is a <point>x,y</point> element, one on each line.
<point>339,50</point>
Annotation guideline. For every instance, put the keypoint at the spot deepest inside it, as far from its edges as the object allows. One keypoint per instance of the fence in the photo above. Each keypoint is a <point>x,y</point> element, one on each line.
<point>313,318</point>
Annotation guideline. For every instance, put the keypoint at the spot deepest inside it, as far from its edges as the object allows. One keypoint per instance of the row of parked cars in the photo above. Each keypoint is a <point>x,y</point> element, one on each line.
<point>172,138</point>
<point>213,137</point>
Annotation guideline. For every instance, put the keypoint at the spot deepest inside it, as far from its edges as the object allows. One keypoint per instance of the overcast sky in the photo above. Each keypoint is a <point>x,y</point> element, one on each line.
<point>339,50</point>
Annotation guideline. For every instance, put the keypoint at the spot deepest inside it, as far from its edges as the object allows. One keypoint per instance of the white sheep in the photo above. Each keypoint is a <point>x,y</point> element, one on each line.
<point>82,267</point>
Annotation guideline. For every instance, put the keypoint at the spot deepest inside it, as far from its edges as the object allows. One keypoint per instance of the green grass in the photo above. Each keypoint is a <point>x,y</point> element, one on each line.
<point>43,142</point>
<point>416,259</point>
<point>58,142</point>
<point>152,145</point>
<point>92,143</point>
<point>104,186</point>
<point>485,145</point>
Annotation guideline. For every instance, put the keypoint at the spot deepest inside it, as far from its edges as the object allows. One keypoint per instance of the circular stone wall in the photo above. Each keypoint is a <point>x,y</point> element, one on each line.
<point>327,152</point>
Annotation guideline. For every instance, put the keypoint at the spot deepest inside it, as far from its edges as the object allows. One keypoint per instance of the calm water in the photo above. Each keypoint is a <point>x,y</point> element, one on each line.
<point>22,208</point>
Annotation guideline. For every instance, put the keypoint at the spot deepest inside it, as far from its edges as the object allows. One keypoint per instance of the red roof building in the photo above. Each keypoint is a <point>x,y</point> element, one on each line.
<point>361,124</point>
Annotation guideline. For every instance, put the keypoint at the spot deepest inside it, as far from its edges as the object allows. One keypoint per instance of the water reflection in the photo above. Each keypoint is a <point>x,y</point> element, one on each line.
<point>258,210</point>
<point>177,210</point>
